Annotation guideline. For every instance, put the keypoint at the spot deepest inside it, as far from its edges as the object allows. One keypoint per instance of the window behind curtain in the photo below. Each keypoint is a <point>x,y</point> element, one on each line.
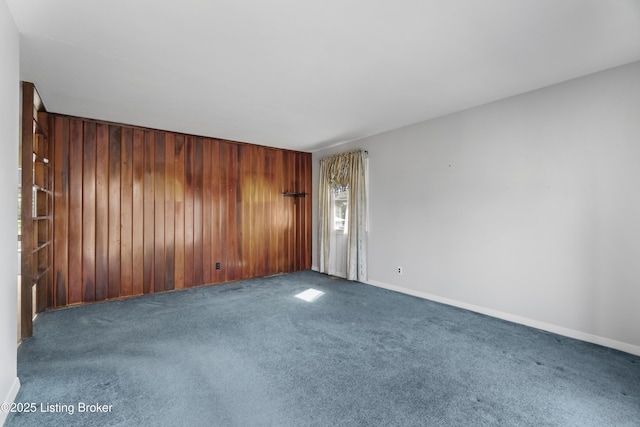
<point>340,200</point>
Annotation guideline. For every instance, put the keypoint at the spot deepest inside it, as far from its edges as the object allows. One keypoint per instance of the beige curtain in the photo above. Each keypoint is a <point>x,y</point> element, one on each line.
<point>345,170</point>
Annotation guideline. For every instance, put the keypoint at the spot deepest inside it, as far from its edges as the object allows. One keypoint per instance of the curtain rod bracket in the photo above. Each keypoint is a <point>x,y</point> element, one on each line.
<point>294,195</point>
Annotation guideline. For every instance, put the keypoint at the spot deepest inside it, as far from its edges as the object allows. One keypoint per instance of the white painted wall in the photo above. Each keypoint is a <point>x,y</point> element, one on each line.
<point>9,134</point>
<point>527,208</point>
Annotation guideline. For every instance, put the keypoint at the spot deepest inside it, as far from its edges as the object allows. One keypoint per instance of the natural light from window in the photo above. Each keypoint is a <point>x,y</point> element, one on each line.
<point>310,295</point>
<point>340,201</point>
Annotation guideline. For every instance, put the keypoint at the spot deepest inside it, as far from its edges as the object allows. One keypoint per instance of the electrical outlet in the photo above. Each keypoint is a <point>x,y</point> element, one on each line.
<point>399,270</point>
<point>217,266</point>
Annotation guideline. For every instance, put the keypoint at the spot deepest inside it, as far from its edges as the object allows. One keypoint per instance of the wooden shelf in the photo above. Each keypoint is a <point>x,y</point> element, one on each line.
<point>41,245</point>
<point>40,274</point>
<point>44,190</point>
<point>36,209</point>
<point>38,130</point>
<point>43,160</point>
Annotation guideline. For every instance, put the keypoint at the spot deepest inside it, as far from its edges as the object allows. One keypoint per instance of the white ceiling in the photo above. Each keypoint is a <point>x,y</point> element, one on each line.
<point>308,74</point>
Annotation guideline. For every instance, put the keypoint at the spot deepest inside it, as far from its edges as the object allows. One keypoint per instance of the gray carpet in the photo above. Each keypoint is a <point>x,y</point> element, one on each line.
<point>251,354</point>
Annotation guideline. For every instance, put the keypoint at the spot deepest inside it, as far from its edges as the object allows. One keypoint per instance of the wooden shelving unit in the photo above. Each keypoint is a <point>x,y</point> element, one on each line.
<point>36,210</point>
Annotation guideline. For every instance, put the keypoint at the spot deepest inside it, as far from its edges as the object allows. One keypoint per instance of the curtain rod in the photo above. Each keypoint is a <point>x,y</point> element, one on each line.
<point>346,152</point>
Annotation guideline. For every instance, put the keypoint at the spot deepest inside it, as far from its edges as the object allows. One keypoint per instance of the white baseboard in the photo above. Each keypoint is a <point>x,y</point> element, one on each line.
<point>336,274</point>
<point>571,333</point>
<point>11,397</point>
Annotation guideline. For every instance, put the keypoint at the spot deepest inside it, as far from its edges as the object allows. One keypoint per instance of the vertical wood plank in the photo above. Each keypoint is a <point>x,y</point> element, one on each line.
<point>288,212</point>
<point>189,266</point>
<point>149,212</point>
<point>266,209</point>
<point>236,219</point>
<point>126,213</point>
<point>75,211</point>
<point>302,216</point>
<point>89,213</point>
<point>115,154</point>
<point>169,220</point>
<point>216,207</point>
<point>48,298</point>
<point>298,205</point>
<point>296,213</point>
<point>179,211</point>
<point>291,170</point>
<point>61,210</point>
<point>207,207</point>
<point>263,242</point>
<point>254,209</point>
<point>280,212</point>
<point>271,212</point>
<point>308,209</point>
<point>244,206</point>
<point>198,262</point>
<point>159,202</point>
<point>102,211</point>
<point>234,215</point>
<point>254,204</point>
<point>223,211</point>
<point>138,212</point>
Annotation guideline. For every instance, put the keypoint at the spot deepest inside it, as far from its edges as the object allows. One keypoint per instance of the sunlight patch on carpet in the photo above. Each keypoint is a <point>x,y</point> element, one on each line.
<point>310,295</point>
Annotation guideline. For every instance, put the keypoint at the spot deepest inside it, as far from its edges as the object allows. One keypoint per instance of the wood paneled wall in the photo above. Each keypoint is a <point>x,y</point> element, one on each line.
<point>139,211</point>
